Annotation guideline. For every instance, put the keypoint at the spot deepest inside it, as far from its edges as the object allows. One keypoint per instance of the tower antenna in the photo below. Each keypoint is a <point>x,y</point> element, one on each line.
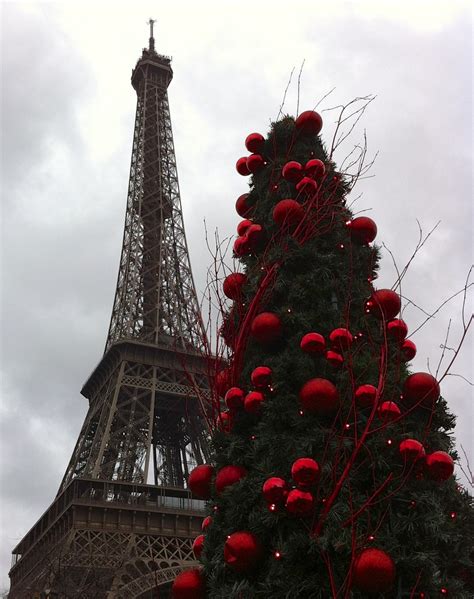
<point>151,44</point>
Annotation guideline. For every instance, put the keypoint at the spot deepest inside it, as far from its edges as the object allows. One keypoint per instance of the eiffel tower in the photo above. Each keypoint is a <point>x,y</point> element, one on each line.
<point>123,522</point>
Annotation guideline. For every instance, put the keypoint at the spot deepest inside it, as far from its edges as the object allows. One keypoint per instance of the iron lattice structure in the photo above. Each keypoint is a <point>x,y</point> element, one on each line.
<point>122,522</point>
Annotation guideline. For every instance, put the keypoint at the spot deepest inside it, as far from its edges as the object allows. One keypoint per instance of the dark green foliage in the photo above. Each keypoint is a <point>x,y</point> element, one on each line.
<point>319,287</point>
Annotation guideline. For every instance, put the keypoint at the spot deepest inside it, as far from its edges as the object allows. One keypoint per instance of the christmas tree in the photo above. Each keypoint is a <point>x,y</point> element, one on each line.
<point>333,469</point>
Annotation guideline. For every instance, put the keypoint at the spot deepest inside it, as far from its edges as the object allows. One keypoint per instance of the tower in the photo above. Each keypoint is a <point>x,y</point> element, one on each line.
<point>122,523</point>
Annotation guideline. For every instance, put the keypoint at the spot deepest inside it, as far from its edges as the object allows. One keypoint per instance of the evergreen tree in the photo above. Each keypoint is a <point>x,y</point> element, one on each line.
<point>333,465</point>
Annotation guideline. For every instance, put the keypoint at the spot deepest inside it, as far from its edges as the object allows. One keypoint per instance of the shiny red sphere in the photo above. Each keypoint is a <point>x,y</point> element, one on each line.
<point>266,327</point>
<point>362,229</point>
<point>243,226</point>
<point>421,388</point>
<point>242,206</point>
<point>199,481</point>
<point>255,237</point>
<point>254,142</point>
<point>397,329</point>
<point>305,472</point>
<point>307,186</point>
<point>190,584</point>
<point>292,171</point>
<point>261,376</point>
<point>255,163</point>
<point>234,398</point>
<point>198,546</point>
<point>223,381</point>
<point>233,284</point>
<point>241,246</point>
<point>309,122</point>
<point>411,450</point>
<point>313,343</point>
<point>242,551</point>
<point>253,402</point>
<point>288,213</point>
<point>384,303</point>
<point>224,422</point>
<point>241,166</point>
<point>274,490</point>
<point>228,476</point>
<point>319,396</point>
<point>315,168</point>
<point>365,396</point>
<point>299,502</point>
<point>408,349</point>
<point>206,522</point>
<point>334,358</point>
<point>374,571</point>
<point>341,339</point>
<point>439,466</point>
<point>388,411</point>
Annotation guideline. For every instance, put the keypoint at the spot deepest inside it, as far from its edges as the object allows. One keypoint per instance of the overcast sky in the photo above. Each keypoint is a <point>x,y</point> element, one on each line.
<point>67,118</point>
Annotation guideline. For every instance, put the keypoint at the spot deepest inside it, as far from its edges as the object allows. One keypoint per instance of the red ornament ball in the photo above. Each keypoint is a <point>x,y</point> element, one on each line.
<point>334,358</point>
<point>241,246</point>
<point>411,450</point>
<point>384,303</point>
<point>223,381</point>
<point>341,339</point>
<point>233,284</point>
<point>274,490</point>
<point>299,502</point>
<point>288,212</point>
<point>206,522</point>
<point>261,376</point>
<point>198,546</point>
<point>319,396</point>
<point>255,163</point>
<point>421,387</point>
<point>199,481</point>
<point>408,349</point>
<point>309,122</point>
<point>254,142</point>
<point>307,186</point>
<point>439,466</point>
<point>315,168</point>
<point>255,237</point>
<point>224,422</point>
<point>305,472</point>
<point>190,584</point>
<point>397,329</point>
<point>242,206</point>
<point>292,171</point>
<point>389,411</point>
<point>266,327</point>
<point>313,343</point>
<point>362,229</point>
<point>229,475</point>
<point>365,396</point>
<point>234,398</point>
<point>241,166</point>
<point>253,403</point>
<point>242,551</point>
<point>243,226</point>
<point>374,571</point>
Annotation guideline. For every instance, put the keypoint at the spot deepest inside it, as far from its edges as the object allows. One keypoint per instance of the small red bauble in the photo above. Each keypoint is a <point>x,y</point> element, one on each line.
<point>229,475</point>
<point>255,163</point>
<point>234,398</point>
<point>389,411</point>
<point>374,571</point>
<point>253,402</point>
<point>261,376</point>
<point>365,396</point>
<point>242,551</point>
<point>233,284</point>
<point>309,122</point>
<point>299,502</point>
<point>334,359</point>
<point>198,546</point>
<point>223,381</point>
<point>199,481</point>
<point>315,168</point>
<point>190,584</point>
<point>241,246</point>
<point>255,237</point>
<point>439,466</point>
<point>206,522</point>
<point>254,142</point>
<point>411,450</point>
<point>397,329</point>
<point>362,229</point>
<point>242,206</point>
<point>266,327</point>
<point>224,422</point>
<point>288,212</point>
<point>340,339</point>
<point>243,226</point>
<point>313,343</point>
<point>241,166</point>
<point>274,490</point>
<point>421,387</point>
<point>307,186</point>
<point>292,171</point>
<point>384,303</point>
<point>408,350</point>
<point>305,472</point>
<point>319,396</point>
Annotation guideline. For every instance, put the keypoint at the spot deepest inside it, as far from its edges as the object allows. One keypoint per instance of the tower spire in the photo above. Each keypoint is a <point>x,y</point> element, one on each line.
<point>151,41</point>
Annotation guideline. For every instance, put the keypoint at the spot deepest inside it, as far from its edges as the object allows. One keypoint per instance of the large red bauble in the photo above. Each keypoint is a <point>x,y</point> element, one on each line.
<point>266,327</point>
<point>315,168</point>
<point>229,475</point>
<point>288,212</point>
<point>255,163</point>
<point>198,546</point>
<point>241,166</point>
<point>223,381</point>
<point>242,551</point>
<point>389,411</point>
<point>206,522</point>
<point>253,402</point>
<point>313,343</point>
<point>340,339</point>
<point>292,171</point>
<point>411,450</point>
<point>439,465</point>
<point>365,396</point>
<point>254,142</point>
<point>319,396</point>
<point>408,350</point>
<point>233,284</point>
<point>374,571</point>
<point>190,584</point>
<point>384,303</point>
<point>255,237</point>
<point>274,490</point>
<point>261,376</point>
<point>309,122</point>
<point>397,329</point>
<point>299,502</point>
<point>243,226</point>
<point>199,481</point>
<point>334,359</point>
<point>305,472</point>
<point>241,246</point>
<point>234,398</point>
<point>242,206</point>
<point>421,387</point>
<point>362,229</point>
<point>307,186</point>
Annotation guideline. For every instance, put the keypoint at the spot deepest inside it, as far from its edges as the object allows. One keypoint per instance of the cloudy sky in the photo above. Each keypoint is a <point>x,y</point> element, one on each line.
<point>67,117</point>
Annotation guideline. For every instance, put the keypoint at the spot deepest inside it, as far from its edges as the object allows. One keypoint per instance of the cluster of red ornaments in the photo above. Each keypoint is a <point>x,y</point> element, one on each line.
<point>340,341</point>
